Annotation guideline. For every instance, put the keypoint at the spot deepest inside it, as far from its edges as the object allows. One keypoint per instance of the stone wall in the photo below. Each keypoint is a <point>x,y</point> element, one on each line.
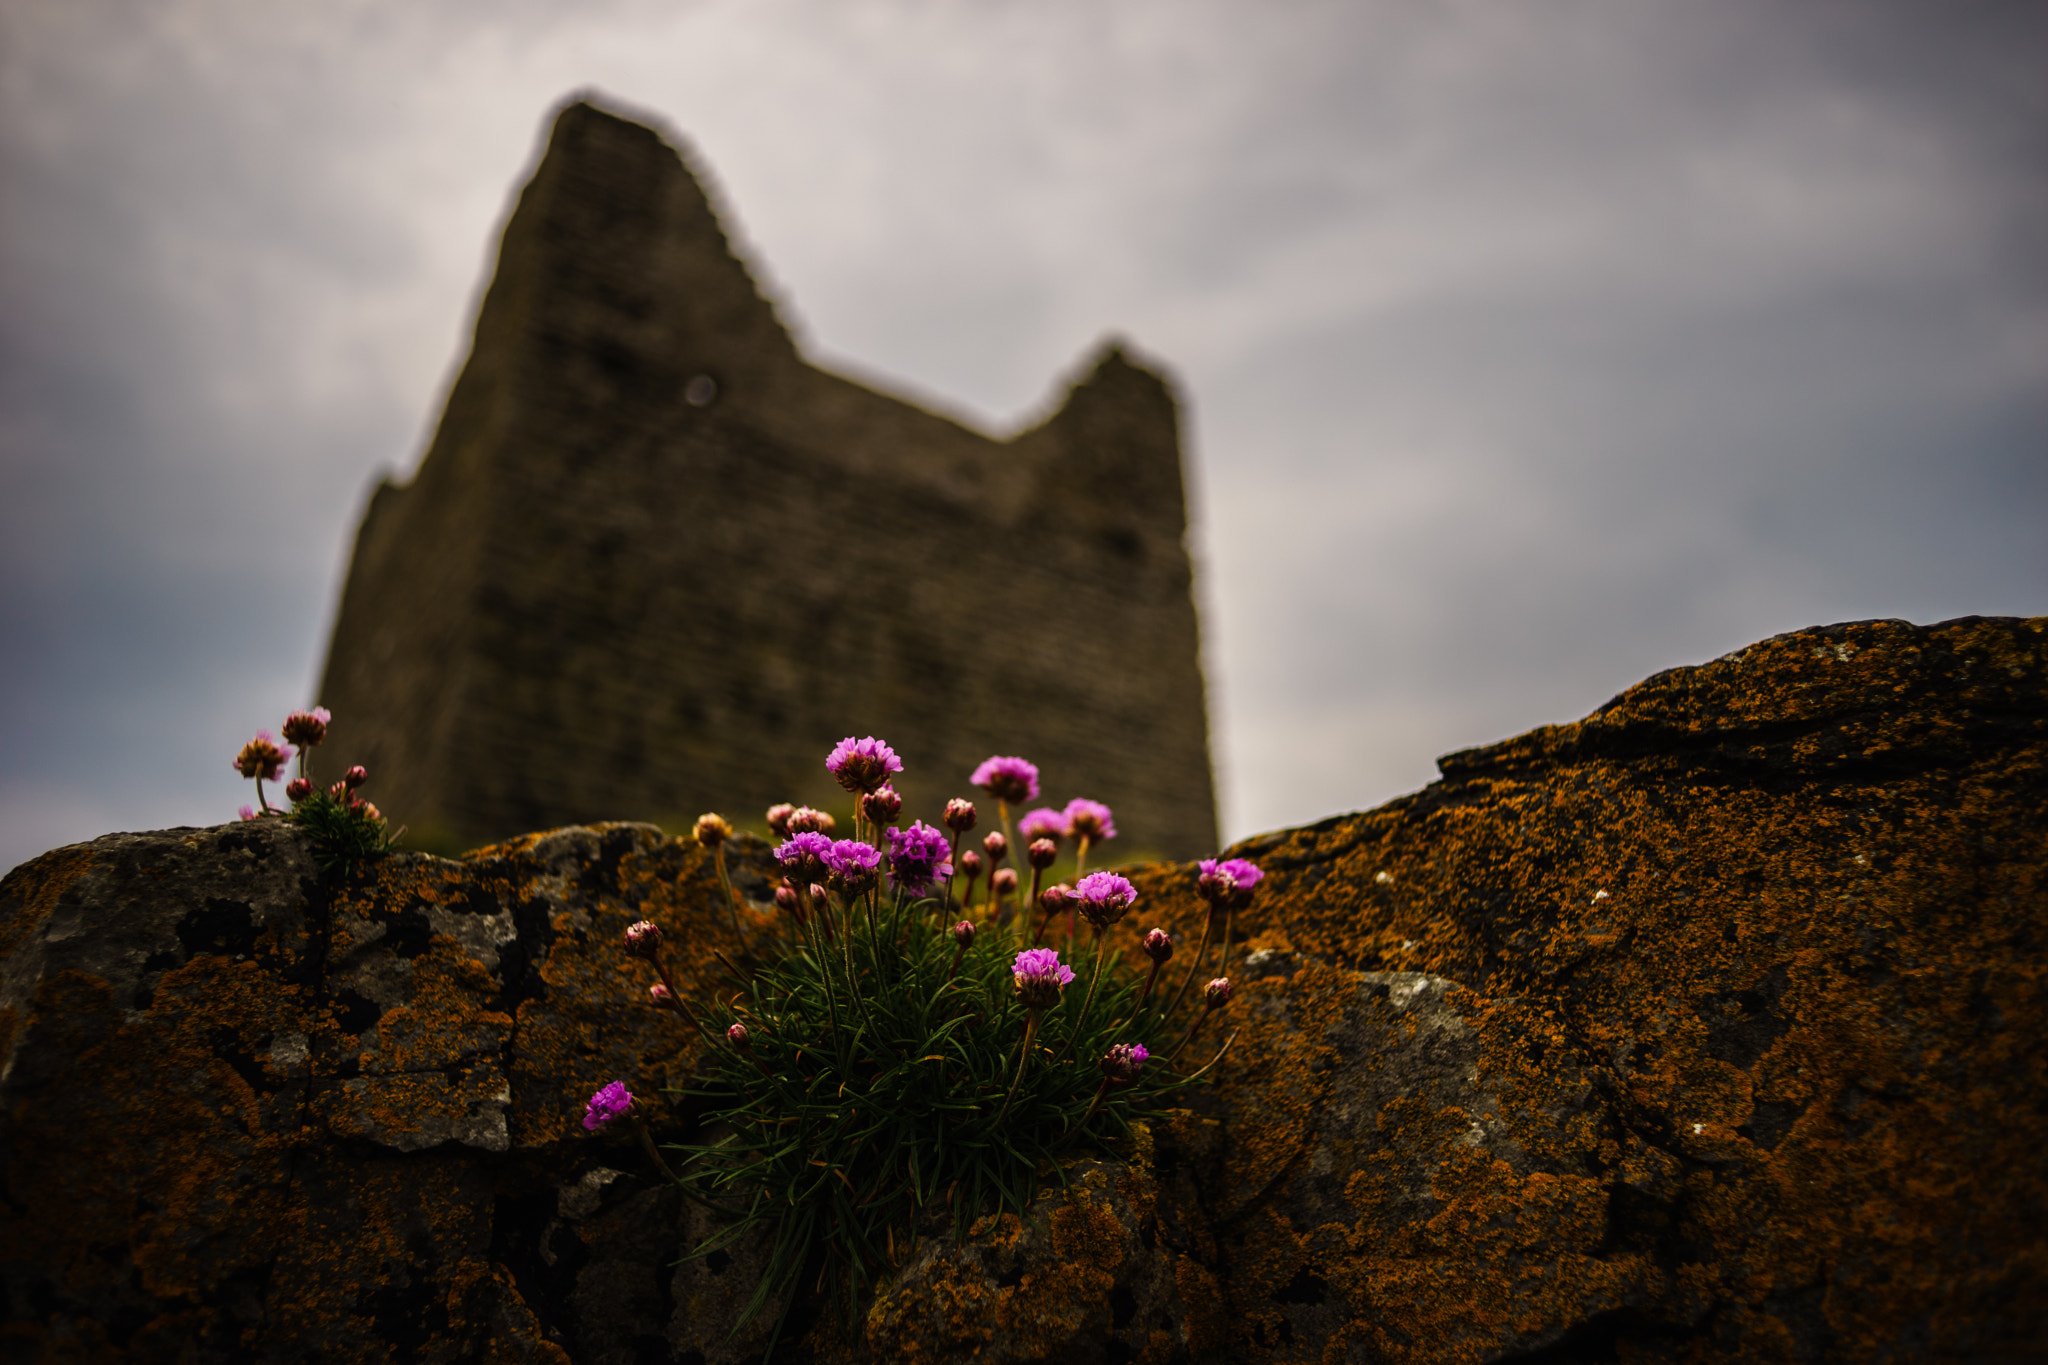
<point>654,563</point>
<point>1707,1029</point>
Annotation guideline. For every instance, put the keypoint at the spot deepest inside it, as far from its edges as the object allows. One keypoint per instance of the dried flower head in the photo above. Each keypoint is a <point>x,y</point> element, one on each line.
<point>963,933</point>
<point>917,858</point>
<point>261,758</point>
<point>861,765</point>
<point>1122,1063</point>
<point>959,816</point>
<point>1105,898</point>
<point>1038,977</point>
<point>1090,820</point>
<point>643,939</point>
<point>355,777</point>
<point>1042,853</point>
<point>1043,823</point>
<point>307,728</point>
<point>737,1035</point>
<point>881,806</point>
<point>713,830</point>
<point>1007,779</point>
<point>804,820</point>
<point>778,818</point>
<point>298,789</point>
<point>1217,993</point>
<point>1159,946</point>
<point>608,1106</point>
<point>855,866</point>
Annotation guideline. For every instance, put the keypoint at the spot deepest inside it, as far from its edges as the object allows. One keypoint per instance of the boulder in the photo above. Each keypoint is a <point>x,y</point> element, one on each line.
<point>1705,1029</point>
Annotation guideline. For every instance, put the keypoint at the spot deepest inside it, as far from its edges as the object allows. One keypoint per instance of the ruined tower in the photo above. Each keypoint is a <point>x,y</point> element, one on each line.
<point>654,563</point>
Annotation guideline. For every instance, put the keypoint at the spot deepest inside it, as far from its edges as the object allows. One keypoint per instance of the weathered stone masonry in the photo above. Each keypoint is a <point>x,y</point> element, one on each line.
<point>655,563</point>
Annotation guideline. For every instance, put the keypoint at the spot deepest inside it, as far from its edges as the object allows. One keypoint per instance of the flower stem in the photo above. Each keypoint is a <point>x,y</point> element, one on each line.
<point>732,898</point>
<point>1193,966</point>
<point>1023,1056</point>
<point>647,1141</point>
<point>1193,1028</point>
<point>1150,982</point>
<point>1080,1020</point>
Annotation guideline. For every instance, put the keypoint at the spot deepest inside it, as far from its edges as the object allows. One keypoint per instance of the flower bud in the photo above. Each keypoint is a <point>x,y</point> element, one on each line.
<point>785,899</point>
<point>713,830</point>
<point>369,812</point>
<point>819,904</point>
<point>1159,946</point>
<point>1215,887</point>
<point>643,939</point>
<point>1004,881</point>
<point>778,818</point>
<point>804,820</point>
<point>1043,853</point>
<point>355,777</point>
<point>963,933</point>
<point>1123,1062</point>
<point>971,864</point>
<point>998,847</point>
<point>1053,899</point>
<point>959,815</point>
<point>737,1036</point>
<point>881,806</point>
<point>661,995</point>
<point>298,789</point>
<point>1218,993</point>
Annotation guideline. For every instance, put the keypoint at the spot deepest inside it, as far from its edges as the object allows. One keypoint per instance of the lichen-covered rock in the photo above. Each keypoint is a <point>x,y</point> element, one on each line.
<point>1705,1030</point>
<point>1083,1279</point>
<point>1751,969</point>
<point>242,1110</point>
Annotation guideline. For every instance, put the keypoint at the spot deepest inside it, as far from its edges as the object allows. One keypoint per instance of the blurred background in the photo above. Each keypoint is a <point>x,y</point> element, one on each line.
<point>1527,350</point>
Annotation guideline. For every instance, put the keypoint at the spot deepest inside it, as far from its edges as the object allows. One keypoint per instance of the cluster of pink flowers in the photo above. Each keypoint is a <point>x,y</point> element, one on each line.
<point>264,759</point>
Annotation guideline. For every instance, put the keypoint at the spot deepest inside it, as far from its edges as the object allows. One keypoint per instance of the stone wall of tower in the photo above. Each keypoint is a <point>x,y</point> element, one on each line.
<point>601,599</point>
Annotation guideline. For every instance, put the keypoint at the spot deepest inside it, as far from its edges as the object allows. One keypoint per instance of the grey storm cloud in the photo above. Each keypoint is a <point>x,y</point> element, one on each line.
<point>1527,350</point>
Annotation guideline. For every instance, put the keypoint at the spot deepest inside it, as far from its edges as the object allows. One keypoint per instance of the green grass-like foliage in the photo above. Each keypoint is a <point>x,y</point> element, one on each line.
<point>344,836</point>
<point>871,1092</point>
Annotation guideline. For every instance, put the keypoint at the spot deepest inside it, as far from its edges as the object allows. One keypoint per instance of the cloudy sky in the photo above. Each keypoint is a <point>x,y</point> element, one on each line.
<point>1528,348</point>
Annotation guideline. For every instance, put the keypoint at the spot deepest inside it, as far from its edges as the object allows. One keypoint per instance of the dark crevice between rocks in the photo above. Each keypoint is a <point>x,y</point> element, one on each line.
<point>543,1254</point>
<point>1599,1340</point>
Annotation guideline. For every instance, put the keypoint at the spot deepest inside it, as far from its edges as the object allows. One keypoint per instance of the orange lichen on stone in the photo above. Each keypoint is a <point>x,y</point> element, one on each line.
<point>1760,951</point>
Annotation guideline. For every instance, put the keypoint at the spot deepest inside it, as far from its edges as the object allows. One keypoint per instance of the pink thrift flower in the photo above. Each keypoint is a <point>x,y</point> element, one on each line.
<point>861,765</point>
<point>1123,1062</point>
<point>1007,779</point>
<point>1039,976</point>
<point>247,813</point>
<point>608,1106</point>
<point>261,758</point>
<point>1089,820</point>
<point>1104,898</point>
<point>1043,823</point>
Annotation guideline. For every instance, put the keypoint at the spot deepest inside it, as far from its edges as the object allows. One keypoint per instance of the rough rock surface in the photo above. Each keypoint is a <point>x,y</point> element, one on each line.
<point>1706,1029</point>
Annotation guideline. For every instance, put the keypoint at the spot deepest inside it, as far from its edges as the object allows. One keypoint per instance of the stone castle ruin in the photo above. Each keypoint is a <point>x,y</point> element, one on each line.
<point>655,563</point>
